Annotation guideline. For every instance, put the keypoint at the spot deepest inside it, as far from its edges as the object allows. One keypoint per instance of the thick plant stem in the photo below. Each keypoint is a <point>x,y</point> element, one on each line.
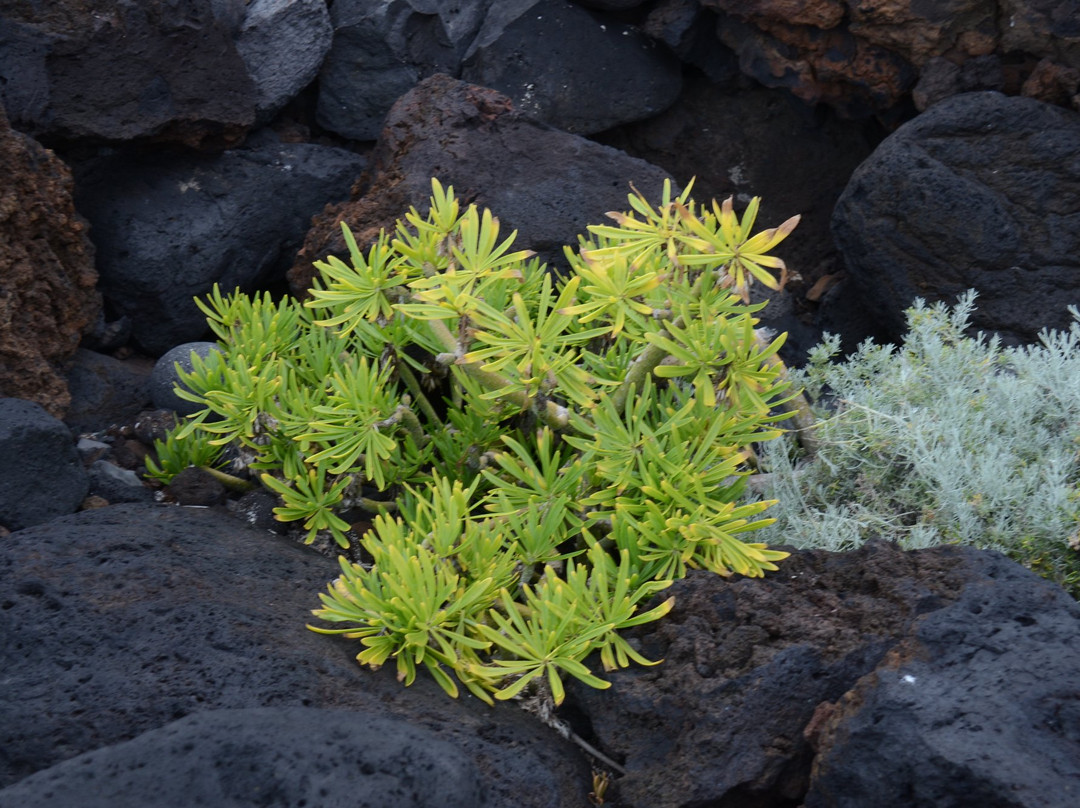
<point>377,505</point>
<point>596,753</point>
<point>412,424</point>
<point>550,413</point>
<point>642,366</point>
<point>229,481</point>
<point>407,376</point>
<point>653,355</point>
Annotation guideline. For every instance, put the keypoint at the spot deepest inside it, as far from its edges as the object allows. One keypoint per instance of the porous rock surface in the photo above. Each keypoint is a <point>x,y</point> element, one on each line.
<point>121,621</point>
<point>865,58</point>
<point>980,191</point>
<point>264,756</point>
<point>554,58</point>
<point>572,69</point>
<point>981,694</point>
<point>105,390</point>
<point>544,183</point>
<point>283,44</point>
<point>72,70</point>
<point>820,63</point>
<point>576,70</point>
<point>168,227</point>
<point>753,668</point>
<point>135,633</point>
<point>47,293</point>
<point>198,72</point>
<point>114,484</point>
<point>381,50</point>
<point>42,476</point>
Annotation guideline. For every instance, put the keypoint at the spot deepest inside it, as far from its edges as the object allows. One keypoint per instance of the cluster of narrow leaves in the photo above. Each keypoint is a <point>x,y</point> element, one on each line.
<point>541,455</point>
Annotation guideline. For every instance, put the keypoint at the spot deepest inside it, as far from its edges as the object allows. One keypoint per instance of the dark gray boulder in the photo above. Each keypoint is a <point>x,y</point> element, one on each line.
<point>980,191</point>
<point>690,32</point>
<point>580,72</point>
<point>264,756</point>
<point>201,72</point>
<point>114,484</point>
<point>168,227</point>
<point>610,5</point>
<point>978,707</point>
<point>122,620</point>
<point>72,70</point>
<point>752,668</point>
<point>577,70</point>
<point>283,44</point>
<point>941,79</point>
<point>105,390</point>
<point>164,379</point>
<point>41,476</point>
<point>382,49</point>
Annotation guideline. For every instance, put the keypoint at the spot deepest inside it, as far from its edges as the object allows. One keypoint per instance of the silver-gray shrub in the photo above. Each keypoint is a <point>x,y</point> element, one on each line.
<point>946,439</point>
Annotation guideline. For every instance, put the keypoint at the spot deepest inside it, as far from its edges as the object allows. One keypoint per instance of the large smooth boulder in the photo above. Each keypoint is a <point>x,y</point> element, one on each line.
<point>168,227</point>
<point>121,621</point>
<point>48,298</point>
<point>977,192</point>
<point>546,184</point>
<point>41,476</point>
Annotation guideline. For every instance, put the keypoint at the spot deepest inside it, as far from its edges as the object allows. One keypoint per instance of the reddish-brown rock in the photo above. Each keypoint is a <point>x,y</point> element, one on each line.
<point>1053,84</point>
<point>864,58</point>
<point>47,293</point>
<point>1042,28</point>
<point>834,67</point>
<point>918,31</point>
<point>818,13</point>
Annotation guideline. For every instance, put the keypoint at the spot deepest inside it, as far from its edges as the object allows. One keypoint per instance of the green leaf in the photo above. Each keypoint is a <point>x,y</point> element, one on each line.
<point>366,291</point>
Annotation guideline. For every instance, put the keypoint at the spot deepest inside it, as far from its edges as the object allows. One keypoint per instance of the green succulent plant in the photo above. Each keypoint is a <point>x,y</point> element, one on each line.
<point>540,455</point>
<point>171,456</point>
